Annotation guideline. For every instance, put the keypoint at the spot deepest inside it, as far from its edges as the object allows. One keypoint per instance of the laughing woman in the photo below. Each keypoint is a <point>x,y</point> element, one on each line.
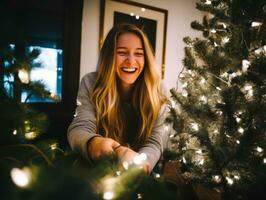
<point>121,107</point>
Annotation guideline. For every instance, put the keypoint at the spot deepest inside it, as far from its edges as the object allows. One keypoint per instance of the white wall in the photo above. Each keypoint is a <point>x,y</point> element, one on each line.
<point>180,14</point>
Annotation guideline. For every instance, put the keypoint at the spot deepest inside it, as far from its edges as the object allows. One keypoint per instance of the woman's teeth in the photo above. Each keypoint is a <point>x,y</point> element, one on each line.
<point>128,69</point>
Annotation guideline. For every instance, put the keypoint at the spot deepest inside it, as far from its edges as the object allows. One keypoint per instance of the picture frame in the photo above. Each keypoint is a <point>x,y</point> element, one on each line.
<point>152,20</point>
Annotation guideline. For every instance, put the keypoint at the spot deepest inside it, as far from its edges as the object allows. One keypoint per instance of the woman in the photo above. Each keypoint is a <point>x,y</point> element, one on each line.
<point>121,106</point>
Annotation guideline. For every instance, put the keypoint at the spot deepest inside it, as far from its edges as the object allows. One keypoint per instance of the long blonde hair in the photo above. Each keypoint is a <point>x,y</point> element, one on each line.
<point>147,96</point>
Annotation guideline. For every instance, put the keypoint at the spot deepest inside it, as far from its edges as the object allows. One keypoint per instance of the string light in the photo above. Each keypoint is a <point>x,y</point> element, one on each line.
<point>238,142</point>
<point>202,81</point>
<point>259,149</point>
<point>184,93</point>
<point>218,88</point>
<point>118,173</point>
<point>199,151</point>
<point>15,132</point>
<point>240,130</point>
<point>139,159</point>
<point>108,195</point>
<point>201,162</point>
<point>143,9</point>
<point>229,181</point>
<point>173,104</point>
<point>238,119</point>
<point>236,177</point>
<point>139,196</point>
<point>184,160</point>
<point>137,16</point>
<point>54,146</point>
<point>30,135</point>
<point>21,177</point>
<point>213,31</point>
<point>264,160</point>
<point>225,40</point>
<point>256,24</point>
<point>125,165</point>
<point>245,65</point>
<point>204,99</point>
<point>132,14</point>
<point>195,126</point>
<point>216,178</point>
<point>157,175</point>
<point>184,85</point>
<point>208,2</point>
<point>24,76</point>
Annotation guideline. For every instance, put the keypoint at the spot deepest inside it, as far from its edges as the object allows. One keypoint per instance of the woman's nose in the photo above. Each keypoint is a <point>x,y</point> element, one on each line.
<point>130,59</point>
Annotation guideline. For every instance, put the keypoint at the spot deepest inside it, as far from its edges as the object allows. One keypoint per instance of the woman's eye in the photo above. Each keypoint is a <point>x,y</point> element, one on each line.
<point>122,53</point>
<point>139,54</point>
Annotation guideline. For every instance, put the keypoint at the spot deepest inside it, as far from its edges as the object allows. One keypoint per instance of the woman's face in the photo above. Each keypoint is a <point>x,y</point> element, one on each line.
<point>129,59</point>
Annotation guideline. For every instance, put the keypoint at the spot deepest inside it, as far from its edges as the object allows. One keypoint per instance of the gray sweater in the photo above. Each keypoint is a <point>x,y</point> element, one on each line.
<point>83,127</point>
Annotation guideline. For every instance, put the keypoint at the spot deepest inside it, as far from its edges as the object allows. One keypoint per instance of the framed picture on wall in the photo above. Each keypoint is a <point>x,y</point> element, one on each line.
<point>152,20</point>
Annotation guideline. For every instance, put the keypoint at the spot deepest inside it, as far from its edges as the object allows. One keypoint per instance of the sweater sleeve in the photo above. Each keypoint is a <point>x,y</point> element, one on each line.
<point>83,126</point>
<point>155,145</point>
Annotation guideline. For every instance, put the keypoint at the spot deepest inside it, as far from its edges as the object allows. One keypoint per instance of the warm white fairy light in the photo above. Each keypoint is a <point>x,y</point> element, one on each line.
<point>24,76</point>
<point>54,146</point>
<point>125,165</point>
<point>213,31</point>
<point>238,142</point>
<point>143,9</point>
<point>139,159</point>
<point>131,14</point>
<point>259,149</point>
<point>184,85</point>
<point>172,135</point>
<point>139,196</point>
<point>184,160</point>
<point>245,65</point>
<point>225,40</point>
<point>184,93</point>
<point>248,87</point>
<point>218,88</point>
<point>189,71</point>
<point>240,130</point>
<point>21,177</point>
<point>215,44</point>
<point>199,151</point>
<point>238,119</point>
<point>173,104</point>
<point>264,160</point>
<point>30,135</point>
<point>203,99</point>
<point>216,178</point>
<point>137,16</point>
<point>229,180</point>
<point>236,177</point>
<point>118,173</point>
<point>15,132</point>
<point>216,131</point>
<point>194,126</point>
<point>208,2</point>
<point>108,195</point>
<point>256,24</point>
<point>157,175</point>
<point>203,81</point>
<point>201,162</point>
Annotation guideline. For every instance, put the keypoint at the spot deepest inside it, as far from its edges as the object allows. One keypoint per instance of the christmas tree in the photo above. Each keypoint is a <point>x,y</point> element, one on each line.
<point>219,113</point>
<point>33,168</point>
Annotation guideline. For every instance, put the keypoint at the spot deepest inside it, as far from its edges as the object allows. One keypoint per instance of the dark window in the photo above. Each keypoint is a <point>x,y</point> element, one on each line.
<point>54,27</point>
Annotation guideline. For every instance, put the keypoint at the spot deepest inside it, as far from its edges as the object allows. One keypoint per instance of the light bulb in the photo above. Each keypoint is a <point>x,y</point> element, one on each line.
<point>245,65</point>
<point>195,126</point>
<point>256,24</point>
<point>21,177</point>
<point>143,9</point>
<point>259,149</point>
<point>15,132</point>
<point>24,76</point>
<point>240,130</point>
<point>229,181</point>
<point>108,195</point>
<point>238,142</point>
<point>208,2</point>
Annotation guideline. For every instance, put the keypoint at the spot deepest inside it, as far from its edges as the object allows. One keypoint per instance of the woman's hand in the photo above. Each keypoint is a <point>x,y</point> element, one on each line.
<point>100,146</point>
<point>126,154</point>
